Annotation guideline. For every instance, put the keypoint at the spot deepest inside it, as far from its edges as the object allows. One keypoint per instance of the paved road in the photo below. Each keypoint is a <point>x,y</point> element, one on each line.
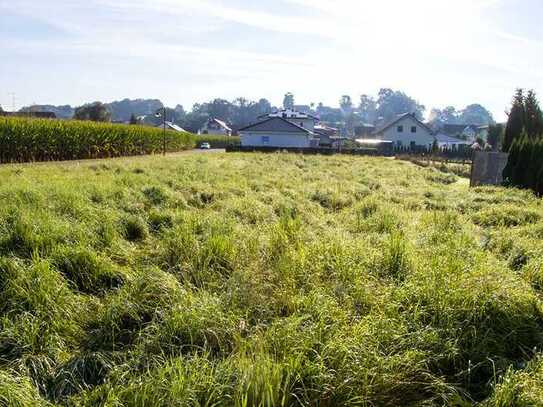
<point>91,160</point>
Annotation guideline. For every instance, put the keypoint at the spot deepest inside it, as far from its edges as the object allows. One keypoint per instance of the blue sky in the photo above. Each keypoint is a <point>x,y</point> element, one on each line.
<point>186,51</point>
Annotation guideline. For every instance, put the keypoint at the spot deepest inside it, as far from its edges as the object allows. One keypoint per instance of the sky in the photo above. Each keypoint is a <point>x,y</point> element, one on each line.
<point>441,52</point>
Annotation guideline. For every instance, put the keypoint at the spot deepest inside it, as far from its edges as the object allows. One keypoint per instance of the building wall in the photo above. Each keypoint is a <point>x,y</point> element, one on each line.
<point>256,139</point>
<point>422,137</point>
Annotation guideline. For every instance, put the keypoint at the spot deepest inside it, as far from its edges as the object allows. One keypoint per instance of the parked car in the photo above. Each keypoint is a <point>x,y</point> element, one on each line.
<point>205,146</point>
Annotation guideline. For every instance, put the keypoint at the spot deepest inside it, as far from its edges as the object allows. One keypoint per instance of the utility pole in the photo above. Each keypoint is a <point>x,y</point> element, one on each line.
<point>163,114</point>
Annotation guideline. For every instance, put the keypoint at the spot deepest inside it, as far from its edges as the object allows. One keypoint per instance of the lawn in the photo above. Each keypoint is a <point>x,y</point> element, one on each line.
<point>266,280</point>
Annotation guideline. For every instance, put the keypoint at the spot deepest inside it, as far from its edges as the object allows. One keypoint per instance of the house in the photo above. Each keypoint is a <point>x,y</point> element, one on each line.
<point>406,131</point>
<point>276,131</point>
<point>365,130</point>
<point>328,136</point>
<point>448,142</point>
<point>469,132</point>
<point>305,120</point>
<point>215,126</point>
<point>172,126</point>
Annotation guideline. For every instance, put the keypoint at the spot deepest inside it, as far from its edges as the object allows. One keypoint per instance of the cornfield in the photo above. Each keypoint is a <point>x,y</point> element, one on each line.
<point>27,140</point>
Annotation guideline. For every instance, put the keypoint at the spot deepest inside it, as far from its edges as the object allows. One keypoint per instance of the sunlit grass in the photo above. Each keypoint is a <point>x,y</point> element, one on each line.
<point>267,280</point>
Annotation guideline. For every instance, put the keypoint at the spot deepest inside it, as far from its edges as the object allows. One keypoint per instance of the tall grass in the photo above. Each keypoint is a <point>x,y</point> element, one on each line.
<point>23,140</point>
<point>266,280</point>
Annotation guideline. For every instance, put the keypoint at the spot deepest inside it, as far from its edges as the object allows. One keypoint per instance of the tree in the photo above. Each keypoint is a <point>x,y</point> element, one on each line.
<point>533,117</point>
<point>495,134</point>
<point>96,112</point>
<point>391,103</point>
<point>220,109</point>
<point>368,109</point>
<point>448,115</point>
<point>515,122</point>
<point>475,114</point>
<point>133,119</point>
<point>288,101</point>
<point>346,104</point>
<point>1,110</point>
<point>263,106</point>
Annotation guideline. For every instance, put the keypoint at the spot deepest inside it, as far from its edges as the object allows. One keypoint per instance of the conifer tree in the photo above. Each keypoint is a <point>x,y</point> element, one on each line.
<point>515,123</point>
<point>538,182</point>
<point>522,158</point>
<point>533,121</point>
<point>511,162</point>
<point>533,162</point>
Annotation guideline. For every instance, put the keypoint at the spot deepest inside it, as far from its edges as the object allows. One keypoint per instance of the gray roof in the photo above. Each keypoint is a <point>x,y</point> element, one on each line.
<point>399,118</point>
<point>276,124</point>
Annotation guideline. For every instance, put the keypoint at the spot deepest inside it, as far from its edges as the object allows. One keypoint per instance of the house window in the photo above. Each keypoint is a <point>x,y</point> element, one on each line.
<point>413,144</point>
<point>399,143</point>
<point>265,139</point>
<point>414,129</point>
<point>400,129</point>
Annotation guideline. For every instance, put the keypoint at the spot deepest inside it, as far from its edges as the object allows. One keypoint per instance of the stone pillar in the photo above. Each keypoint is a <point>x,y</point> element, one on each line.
<point>487,168</point>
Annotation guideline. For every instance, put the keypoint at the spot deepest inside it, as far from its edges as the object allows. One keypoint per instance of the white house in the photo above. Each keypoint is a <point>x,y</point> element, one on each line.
<point>215,126</point>
<point>277,131</point>
<point>469,132</point>
<point>406,131</point>
<point>444,141</point>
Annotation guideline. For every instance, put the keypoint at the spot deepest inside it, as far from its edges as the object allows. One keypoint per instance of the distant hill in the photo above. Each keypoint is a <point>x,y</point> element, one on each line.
<point>120,110</point>
<point>62,112</point>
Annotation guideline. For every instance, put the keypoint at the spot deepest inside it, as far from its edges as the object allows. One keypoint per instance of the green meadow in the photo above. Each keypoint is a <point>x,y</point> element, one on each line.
<point>267,280</point>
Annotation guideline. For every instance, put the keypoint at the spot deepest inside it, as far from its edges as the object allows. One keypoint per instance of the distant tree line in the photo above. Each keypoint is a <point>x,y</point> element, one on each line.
<point>523,139</point>
<point>368,110</point>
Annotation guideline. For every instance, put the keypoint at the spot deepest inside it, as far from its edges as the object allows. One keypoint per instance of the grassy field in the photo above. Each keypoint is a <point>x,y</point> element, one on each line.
<point>266,280</point>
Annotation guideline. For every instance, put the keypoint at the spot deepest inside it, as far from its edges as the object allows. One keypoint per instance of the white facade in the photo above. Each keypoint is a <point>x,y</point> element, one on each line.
<point>407,132</point>
<point>446,143</point>
<point>275,139</point>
